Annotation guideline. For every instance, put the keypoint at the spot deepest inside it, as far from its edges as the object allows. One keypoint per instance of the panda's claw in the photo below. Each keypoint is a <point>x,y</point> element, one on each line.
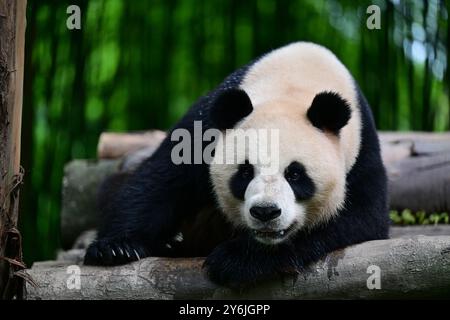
<point>137,254</point>
<point>113,252</point>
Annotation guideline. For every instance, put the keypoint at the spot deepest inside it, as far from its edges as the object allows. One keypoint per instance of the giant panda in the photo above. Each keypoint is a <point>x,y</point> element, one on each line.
<point>327,191</point>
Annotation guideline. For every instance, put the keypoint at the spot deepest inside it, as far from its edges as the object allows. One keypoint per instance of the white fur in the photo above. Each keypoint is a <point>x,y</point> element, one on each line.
<point>281,87</point>
<point>300,71</point>
<point>273,190</point>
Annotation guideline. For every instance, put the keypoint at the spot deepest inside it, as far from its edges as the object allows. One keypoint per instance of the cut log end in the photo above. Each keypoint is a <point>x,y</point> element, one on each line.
<point>115,145</point>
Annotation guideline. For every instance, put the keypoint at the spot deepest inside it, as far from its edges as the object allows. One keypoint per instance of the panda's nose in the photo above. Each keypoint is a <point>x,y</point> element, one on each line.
<point>265,213</point>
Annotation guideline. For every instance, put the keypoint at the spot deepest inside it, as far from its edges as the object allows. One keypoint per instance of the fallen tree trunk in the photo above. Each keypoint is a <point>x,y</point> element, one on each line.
<point>410,268</point>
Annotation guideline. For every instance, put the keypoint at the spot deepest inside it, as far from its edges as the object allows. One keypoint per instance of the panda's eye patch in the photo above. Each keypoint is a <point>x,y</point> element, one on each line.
<point>246,170</point>
<point>241,179</point>
<point>300,182</point>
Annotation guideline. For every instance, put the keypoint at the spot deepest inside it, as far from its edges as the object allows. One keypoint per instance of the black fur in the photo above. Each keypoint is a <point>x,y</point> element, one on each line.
<point>241,179</point>
<point>229,108</point>
<point>329,112</point>
<point>299,180</point>
<point>161,198</point>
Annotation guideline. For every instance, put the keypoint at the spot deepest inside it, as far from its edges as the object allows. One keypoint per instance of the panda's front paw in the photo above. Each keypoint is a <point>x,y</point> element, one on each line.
<point>242,263</point>
<point>109,252</point>
<point>225,267</point>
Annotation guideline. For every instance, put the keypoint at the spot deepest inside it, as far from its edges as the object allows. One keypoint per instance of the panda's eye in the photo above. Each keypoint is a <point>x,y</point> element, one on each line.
<point>292,175</point>
<point>299,180</point>
<point>294,172</point>
<point>246,170</point>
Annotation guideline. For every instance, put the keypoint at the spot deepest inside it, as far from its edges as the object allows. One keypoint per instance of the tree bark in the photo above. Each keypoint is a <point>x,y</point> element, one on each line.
<point>12,45</point>
<point>409,268</point>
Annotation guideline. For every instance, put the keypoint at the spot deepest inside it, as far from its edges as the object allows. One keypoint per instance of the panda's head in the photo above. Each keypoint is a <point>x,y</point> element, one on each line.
<point>306,183</point>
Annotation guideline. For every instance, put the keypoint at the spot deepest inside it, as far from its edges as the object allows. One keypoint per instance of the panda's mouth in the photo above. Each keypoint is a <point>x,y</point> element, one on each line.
<point>271,234</point>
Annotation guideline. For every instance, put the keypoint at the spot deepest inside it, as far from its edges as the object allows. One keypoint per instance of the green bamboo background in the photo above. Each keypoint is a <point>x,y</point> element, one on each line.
<point>139,64</point>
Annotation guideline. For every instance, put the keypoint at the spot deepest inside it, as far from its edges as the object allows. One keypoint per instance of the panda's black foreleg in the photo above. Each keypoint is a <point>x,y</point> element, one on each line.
<point>243,262</point>
<point>142,216</point>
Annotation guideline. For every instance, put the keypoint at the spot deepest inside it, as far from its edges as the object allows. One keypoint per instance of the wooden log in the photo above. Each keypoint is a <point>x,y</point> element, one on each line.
<point>81,182</point>
<point>421,183</point>
<point>12,50</point>
<point>409,268</point>
<point>113,145</point>
<point>415,230</point>
<point>79,213</point>
<point>396,136</point>
<point>395,145</point>
<point>418,167</point>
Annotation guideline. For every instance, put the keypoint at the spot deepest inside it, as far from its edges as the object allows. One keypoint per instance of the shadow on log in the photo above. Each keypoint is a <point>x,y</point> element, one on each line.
<point>409,268</point>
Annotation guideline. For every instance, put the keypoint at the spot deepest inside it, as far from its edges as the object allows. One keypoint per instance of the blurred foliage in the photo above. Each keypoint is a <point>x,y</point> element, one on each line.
<point>136,65</point>
<point>406,217</point>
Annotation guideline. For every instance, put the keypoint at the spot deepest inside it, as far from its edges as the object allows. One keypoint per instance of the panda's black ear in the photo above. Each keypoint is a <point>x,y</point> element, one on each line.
<point>229,108</point>
<point>329,112</point>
